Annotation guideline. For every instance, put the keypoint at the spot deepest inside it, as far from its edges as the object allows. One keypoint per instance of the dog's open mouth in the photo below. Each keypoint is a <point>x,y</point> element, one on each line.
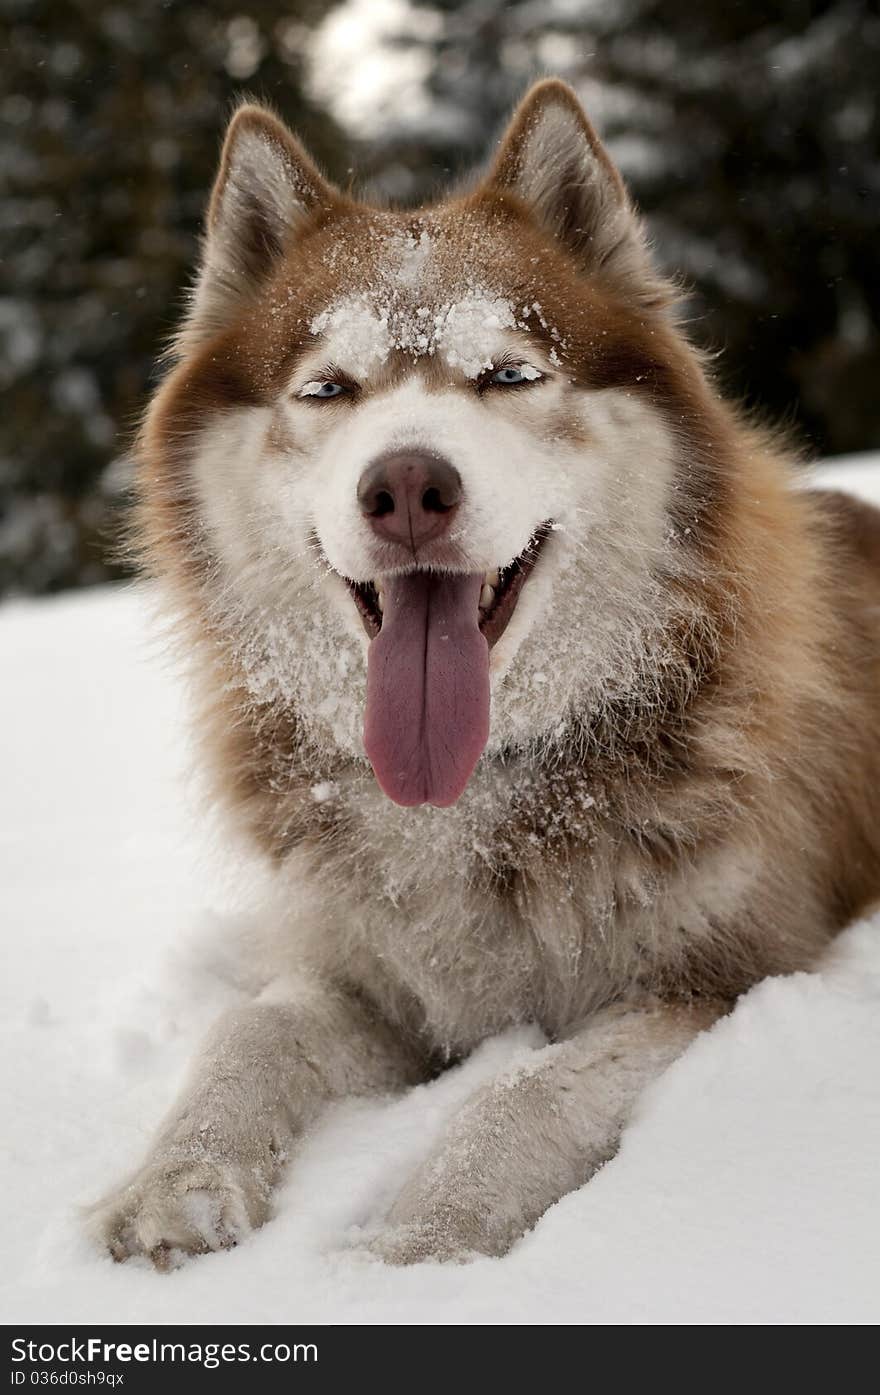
<point>427,712</point>
<point>499,592</point>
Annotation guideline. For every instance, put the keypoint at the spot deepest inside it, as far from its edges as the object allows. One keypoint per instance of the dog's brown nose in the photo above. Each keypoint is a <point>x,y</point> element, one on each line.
<point>410,497</point>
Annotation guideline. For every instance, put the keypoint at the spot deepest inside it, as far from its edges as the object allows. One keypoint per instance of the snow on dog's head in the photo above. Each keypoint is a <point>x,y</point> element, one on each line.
<point>419,467</point>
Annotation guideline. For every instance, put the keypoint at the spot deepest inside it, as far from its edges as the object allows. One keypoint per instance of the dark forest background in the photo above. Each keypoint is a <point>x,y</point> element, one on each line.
<point>749,133</point>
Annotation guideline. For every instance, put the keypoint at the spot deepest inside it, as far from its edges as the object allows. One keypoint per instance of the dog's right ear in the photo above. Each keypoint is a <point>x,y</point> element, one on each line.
<point>266,188</point>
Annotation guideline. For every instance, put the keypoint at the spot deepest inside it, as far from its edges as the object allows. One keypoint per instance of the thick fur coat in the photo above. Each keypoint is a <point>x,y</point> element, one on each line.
<point>679,786</point>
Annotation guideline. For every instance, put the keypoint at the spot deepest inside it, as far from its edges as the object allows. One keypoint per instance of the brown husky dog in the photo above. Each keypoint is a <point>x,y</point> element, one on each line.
<point>447,494</point>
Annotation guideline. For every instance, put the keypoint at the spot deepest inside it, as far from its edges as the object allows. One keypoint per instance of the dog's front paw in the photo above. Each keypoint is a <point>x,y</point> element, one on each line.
<point>439,1233</point>
<point>171,1209</point>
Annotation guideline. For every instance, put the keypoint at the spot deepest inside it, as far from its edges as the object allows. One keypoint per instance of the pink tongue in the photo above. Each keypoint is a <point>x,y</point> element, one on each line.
<point>427,715</point>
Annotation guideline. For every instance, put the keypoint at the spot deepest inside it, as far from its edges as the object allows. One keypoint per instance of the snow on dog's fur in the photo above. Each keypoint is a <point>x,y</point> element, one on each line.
<point>638,767</point>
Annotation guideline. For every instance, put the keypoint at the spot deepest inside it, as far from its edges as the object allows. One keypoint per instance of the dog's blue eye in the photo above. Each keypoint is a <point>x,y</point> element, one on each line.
<point>322,389</point>
<point>514,374</point>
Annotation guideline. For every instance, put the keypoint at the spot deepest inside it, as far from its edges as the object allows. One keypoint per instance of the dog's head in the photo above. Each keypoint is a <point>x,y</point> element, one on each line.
<point>421,463</point>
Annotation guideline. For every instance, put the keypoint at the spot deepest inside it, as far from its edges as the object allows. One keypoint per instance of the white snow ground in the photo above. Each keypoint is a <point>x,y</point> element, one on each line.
<point>745,1192</point>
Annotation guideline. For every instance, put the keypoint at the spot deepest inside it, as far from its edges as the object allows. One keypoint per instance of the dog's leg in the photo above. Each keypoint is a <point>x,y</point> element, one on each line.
<point>535,1134</point>
<point>261,1078</point>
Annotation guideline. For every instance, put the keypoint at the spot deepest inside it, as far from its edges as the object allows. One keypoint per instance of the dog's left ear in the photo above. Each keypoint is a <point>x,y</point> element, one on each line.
<point>552,160</point>
<point>266,190</point>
